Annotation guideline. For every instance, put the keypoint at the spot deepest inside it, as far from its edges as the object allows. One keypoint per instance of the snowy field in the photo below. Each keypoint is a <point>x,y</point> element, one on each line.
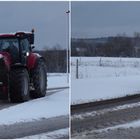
<point>103,78</point>
<point>57,80</point>
<point>55,104</point>
<point>96,67</point>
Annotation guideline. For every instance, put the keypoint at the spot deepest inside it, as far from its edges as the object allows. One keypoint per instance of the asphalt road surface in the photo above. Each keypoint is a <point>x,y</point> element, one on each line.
<point>87,122</point>
<point>20,130</point>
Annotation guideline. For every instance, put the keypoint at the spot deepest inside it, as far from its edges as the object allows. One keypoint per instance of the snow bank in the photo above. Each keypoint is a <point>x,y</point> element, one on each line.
<point>50,106</point>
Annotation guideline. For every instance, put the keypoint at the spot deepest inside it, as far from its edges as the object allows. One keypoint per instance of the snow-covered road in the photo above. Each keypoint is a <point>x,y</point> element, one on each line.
<point>56,103</point>
<point>50,106</point>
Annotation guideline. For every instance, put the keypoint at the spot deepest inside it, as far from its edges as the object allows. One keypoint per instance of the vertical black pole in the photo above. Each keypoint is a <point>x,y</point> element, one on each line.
<point>77,75</point>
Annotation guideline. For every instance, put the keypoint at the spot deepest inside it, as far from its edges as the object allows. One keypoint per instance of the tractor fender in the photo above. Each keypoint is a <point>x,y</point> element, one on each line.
<point>33,59</point>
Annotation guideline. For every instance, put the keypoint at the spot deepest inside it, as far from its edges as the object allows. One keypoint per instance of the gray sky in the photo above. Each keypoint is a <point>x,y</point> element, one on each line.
<point>99,19</point>
<point>49,20</point>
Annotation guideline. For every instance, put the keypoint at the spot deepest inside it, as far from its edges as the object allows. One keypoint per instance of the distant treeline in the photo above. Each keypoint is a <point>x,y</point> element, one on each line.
<point>55,60</point>
<point>119,46</point>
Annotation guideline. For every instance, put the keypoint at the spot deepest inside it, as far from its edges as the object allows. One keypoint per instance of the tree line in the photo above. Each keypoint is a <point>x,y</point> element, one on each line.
<point>55,60</point>
<point>118,46</point>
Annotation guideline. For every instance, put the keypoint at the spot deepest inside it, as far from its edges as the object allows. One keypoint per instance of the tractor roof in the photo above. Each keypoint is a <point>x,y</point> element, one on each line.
<point>17,34</point>
<point>7,35</point>
<point>21,34</point>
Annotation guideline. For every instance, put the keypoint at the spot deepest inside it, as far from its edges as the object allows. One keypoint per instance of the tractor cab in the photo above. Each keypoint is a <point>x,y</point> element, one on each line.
<point>18,45</point>
<point>22,72</point>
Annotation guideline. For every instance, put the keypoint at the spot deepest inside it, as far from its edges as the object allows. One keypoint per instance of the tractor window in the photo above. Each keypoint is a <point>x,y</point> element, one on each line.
<point>8,44</point>
<point>25,45</point>
<point>11,46</point>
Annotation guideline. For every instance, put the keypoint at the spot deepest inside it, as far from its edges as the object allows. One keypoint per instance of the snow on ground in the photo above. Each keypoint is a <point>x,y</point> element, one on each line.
<point>104,88</point>
<point>104,78</point>
<point>53,105</point>
<point>96,67</point>
<point>133,124</point>
<point>57,80</point>
<point>50,135</point>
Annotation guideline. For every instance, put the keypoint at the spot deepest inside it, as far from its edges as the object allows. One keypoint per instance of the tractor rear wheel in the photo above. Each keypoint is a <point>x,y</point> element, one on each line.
<point>19,85</point>
<point>39,77</point>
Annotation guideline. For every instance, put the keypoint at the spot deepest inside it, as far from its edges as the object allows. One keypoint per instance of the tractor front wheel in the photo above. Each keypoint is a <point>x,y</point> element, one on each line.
<point>39,77</point>
<point>19,85</point>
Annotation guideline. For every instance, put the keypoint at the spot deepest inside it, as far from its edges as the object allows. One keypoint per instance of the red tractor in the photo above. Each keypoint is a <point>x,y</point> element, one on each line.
<point>22,72</point>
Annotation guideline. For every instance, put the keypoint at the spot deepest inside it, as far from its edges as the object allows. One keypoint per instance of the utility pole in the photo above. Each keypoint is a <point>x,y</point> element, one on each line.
<point>68,46</point>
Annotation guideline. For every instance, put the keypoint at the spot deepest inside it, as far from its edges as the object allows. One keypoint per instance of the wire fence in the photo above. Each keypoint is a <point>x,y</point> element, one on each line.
<point>83,67</point>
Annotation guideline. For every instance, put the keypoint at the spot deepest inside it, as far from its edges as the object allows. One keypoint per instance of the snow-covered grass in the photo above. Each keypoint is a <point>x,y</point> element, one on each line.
<point>53,105</point>
<point>50,135</point>
<point>104,78</point>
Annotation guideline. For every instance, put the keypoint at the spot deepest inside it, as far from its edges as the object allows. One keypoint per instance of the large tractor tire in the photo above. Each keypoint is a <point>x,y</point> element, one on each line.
<point>19,85</point>
<point>39,80</point>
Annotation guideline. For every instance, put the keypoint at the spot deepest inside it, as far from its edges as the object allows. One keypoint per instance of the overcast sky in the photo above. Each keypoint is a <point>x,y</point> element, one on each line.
<point>99,19</point>
<point>49,20</point>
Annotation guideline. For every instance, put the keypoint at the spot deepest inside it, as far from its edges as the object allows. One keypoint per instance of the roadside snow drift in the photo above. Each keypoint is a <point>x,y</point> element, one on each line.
<point>104,78</point>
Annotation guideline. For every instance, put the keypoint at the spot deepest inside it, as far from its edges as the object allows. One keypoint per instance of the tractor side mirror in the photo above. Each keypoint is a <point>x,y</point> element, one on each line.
<point>32,47</point>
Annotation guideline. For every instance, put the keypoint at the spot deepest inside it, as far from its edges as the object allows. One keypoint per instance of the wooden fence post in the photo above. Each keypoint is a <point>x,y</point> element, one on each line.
<point>77,75</point>
<point>100,62</point>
